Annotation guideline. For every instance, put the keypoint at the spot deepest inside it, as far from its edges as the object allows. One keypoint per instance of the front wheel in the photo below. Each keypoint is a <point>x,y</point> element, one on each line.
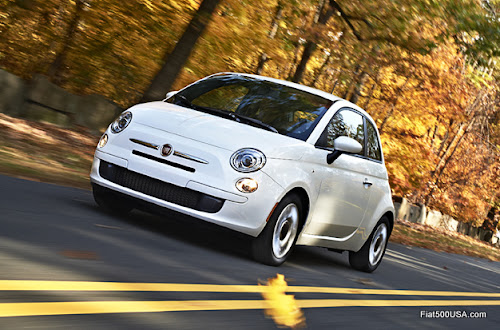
<point>370,256</point>
<point>276,241</point>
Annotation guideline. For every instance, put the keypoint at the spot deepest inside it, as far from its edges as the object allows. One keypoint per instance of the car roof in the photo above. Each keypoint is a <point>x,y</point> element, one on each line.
<point>310,90</point>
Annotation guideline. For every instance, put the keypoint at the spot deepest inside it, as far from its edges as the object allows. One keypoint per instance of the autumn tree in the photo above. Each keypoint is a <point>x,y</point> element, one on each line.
<point>263,58</point>
<point>56,67</point>
<point>174,61</point>
<point>367,23</point>
<point>427,71</point>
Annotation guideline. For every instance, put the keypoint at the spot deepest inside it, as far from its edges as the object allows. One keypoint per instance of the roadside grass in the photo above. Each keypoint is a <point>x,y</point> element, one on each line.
<point>441,240</point>
<point>48,153</point>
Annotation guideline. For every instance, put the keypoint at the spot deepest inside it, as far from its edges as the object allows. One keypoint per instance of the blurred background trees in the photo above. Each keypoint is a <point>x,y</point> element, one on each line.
<point>426,70</point>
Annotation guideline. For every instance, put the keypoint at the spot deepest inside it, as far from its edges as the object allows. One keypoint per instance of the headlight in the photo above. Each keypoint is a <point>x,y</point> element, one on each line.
<point>248,160</point>
<point>121,122</point>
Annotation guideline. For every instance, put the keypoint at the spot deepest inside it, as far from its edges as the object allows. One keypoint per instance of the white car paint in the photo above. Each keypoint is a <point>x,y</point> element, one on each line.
<point>343,209</point>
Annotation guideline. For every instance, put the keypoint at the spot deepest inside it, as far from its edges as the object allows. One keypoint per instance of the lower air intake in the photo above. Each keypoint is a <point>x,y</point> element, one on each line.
<point>160,189</point>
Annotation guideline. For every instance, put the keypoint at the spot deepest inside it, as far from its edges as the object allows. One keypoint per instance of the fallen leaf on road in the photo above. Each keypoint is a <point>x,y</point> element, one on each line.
<point>74,254</point>
<point>365,281</point>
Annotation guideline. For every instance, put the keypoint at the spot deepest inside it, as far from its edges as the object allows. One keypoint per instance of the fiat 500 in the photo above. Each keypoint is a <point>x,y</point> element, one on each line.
<point>281,162</point>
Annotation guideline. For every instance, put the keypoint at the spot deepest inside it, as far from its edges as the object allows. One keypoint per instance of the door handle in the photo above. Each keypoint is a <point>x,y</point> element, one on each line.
<point>368,183</point>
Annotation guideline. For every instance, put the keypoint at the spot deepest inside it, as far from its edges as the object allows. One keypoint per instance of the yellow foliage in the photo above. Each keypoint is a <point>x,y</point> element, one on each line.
<point>282,307</point>
<point>418,99</point>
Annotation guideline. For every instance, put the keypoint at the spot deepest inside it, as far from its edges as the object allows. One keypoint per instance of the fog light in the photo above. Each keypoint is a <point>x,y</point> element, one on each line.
<point>247,185</point>
<point>103,140</point>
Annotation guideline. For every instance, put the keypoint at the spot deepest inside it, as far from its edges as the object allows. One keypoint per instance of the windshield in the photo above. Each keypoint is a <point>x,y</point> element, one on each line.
<point>255,102</point>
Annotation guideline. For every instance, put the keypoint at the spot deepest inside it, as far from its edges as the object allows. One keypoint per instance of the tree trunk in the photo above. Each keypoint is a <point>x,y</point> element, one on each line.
<point>56,69</point>
<point>445,139</point>
<point>291,66</point>
<point>387,116</point>
<point>372,90</point>
<point>173,62</point>
<point>319,72</point>
<point>393,107</point>
<point>260,65</point>
<point>434,133</point>
<point>319,10</point>
<point>363,76</point>
<point>443,156</point>
<point>470,109</point>
<point>442,160</point>
<point>354,79</point>
<point>272,33</point>
<point>358,87</point>
<point>310,47</point>
<point>445,163</point>
<point>336,81</point>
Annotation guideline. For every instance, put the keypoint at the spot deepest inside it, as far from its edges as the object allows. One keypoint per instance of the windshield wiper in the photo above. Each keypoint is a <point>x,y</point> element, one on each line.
<point>183,100</point>
<point>254,121</point>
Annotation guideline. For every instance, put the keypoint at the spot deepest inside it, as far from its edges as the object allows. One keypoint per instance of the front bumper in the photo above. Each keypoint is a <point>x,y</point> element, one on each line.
<point>187,192</point>
<point>156,188</point>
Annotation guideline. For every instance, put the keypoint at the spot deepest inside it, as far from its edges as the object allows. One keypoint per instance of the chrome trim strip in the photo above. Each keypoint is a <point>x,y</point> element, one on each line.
<point>189,157</point>
<point>146,144</point>
<point>328,238</point>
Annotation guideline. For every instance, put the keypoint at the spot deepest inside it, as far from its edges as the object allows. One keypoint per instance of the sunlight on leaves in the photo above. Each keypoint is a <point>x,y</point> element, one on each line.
<point>282,308</point>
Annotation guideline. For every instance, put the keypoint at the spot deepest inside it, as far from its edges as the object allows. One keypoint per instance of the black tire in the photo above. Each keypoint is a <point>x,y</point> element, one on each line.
<point>369,257</point>
<point>286,220</point>
<point>112,202</point>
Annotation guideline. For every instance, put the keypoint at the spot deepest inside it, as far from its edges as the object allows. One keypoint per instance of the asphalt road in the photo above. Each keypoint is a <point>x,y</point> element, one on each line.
<point>51,233</point>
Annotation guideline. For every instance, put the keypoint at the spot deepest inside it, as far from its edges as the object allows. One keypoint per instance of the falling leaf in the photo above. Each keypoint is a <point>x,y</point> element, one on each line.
<point>282,307</point>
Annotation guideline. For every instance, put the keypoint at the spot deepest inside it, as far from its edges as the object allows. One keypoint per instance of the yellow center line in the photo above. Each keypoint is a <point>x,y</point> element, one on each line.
<point>103,307</point>
<point>22,285</point>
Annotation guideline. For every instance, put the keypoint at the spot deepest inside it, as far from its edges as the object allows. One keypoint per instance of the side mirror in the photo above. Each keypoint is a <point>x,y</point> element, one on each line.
<point>343,145</point>
<point>170,94</point>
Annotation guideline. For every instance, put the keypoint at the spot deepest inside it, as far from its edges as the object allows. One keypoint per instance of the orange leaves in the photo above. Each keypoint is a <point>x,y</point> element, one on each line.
<point>421,118</point>
<point>282,307</point>
<point>420,97</point>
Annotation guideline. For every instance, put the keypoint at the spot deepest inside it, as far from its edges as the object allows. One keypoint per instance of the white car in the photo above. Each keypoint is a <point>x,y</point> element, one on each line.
<point>284,163</point>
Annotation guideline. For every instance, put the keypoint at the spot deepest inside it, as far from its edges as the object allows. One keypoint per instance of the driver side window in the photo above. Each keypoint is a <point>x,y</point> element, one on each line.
<point>344,123</point>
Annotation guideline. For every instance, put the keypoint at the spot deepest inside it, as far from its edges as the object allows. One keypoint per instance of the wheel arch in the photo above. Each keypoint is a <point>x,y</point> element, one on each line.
<point>304,198</point>
<point>390,217</point>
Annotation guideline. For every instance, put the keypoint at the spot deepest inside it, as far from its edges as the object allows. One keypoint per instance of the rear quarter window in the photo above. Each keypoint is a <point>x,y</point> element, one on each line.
<point>373,149</point>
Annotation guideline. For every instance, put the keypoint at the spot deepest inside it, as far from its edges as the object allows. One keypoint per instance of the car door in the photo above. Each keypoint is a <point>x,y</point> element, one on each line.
<point>345,188</point>
<point>376,174</point>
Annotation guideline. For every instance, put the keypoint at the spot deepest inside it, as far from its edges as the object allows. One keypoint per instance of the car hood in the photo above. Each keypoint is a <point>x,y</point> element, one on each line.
<point>216,131</point>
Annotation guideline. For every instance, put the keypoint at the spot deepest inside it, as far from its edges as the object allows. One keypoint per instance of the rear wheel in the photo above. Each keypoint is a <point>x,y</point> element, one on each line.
<point>110,201</point>
<point>276,241</point>
<point>370,256</point>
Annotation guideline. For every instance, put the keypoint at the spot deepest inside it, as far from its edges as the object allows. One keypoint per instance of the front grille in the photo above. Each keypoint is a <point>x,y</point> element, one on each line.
<point>160,189</point>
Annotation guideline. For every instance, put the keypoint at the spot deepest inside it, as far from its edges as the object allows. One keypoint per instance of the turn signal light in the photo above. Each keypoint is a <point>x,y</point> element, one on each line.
<point>247,185</point>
